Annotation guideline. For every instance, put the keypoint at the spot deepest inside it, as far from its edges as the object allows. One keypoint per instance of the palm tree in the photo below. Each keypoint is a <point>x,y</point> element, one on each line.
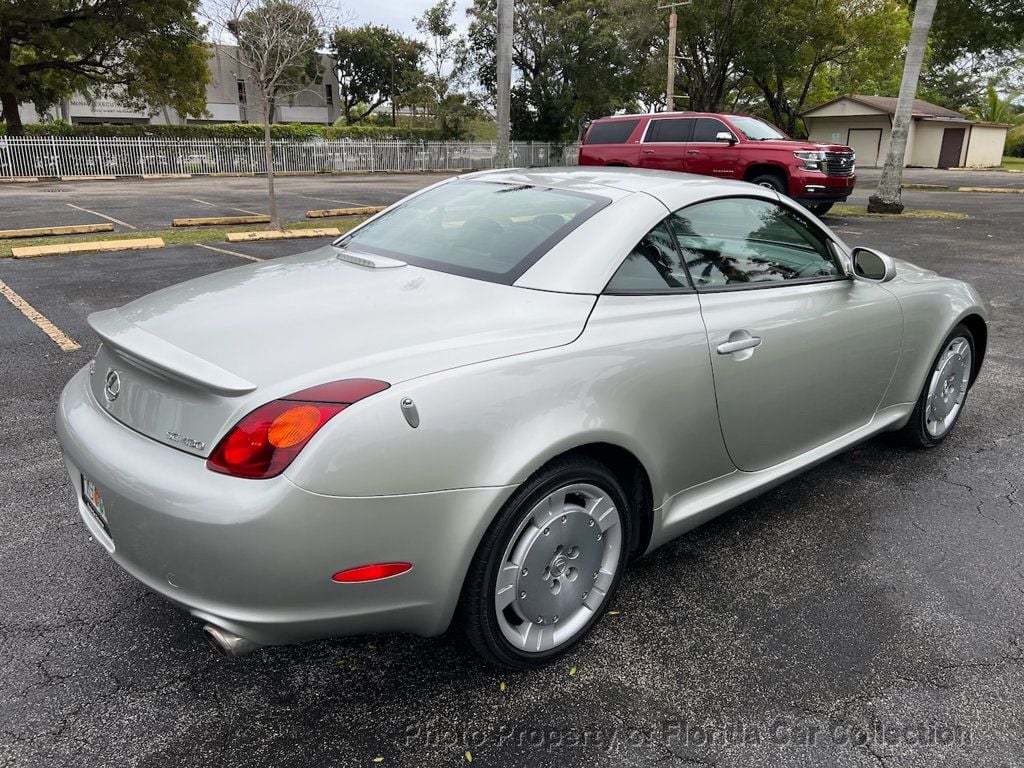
<point>887,198</point>
<point>996,110</point>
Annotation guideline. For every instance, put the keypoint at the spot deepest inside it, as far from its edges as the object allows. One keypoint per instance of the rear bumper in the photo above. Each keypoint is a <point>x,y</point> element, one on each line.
<point>256,556</point>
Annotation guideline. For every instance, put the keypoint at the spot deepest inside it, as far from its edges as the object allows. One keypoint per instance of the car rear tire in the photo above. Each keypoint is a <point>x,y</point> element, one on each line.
<point>944,393</point>
<point>819,209</point>
<point>771,181</point>
<point>548,566</point>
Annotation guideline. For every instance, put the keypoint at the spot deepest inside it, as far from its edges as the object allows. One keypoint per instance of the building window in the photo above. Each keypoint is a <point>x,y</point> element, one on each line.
<point>241,92</point>
<point>329,91</point>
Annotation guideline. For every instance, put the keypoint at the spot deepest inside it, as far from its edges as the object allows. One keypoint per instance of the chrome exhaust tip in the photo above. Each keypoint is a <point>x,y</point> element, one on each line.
<point>227,643</point>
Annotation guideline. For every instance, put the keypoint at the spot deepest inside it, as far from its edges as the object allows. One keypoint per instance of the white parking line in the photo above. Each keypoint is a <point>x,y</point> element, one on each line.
<point>226,207</point>
<point>229,253</point>
<point>102,216</point>
<point>58,336</point>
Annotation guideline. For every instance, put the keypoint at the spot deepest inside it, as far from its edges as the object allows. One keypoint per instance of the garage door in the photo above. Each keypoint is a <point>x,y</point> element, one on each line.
<point>865,142</point>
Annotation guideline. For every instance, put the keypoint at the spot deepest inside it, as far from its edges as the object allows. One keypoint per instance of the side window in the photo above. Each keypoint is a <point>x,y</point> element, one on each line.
<point>672,129</point>
<point>707,128</point>
<point>739,241</point>
<point>611,132</point>
<point>653,265</point>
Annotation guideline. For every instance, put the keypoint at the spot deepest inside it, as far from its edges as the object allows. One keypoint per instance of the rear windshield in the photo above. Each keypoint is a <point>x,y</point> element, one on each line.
<point>487,230</point>
<point>612,132</point>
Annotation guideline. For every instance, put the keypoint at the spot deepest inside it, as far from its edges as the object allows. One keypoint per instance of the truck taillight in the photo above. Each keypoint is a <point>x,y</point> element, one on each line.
<point>267,440</point>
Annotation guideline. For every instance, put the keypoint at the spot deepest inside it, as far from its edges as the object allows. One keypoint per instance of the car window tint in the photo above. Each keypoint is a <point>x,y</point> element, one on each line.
<point>739,241</point>
<point>677,129</point>
<point>488,230</point>
<point>706,128</point>
<point>652,265</point>
<point>612,132</point>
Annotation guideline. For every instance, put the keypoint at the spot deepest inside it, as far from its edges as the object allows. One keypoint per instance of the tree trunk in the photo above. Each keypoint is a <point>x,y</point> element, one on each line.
<point>887,198</point>
<point>9,102</point>
<point>503,66</point>
<point>268,153</point>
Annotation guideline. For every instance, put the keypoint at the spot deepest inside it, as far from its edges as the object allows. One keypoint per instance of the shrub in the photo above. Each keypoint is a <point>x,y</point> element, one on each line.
<point>292,131</point>
<point>1015,142</point>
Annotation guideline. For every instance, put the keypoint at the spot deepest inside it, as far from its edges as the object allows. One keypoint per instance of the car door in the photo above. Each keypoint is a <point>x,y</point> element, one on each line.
<point>801,353</point>
<point>663,146</point>
<point>707,155</point>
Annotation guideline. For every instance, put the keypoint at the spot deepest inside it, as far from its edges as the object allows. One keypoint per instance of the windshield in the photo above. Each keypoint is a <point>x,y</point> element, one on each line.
<point>757,130</point>
<point>487,230</point>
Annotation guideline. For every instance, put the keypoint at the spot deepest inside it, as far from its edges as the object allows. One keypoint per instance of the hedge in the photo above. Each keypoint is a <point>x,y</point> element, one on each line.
<point>294,131</point>
<point>1015,142</point>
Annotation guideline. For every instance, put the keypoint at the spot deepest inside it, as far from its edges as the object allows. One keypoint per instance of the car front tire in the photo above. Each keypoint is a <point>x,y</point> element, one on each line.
<point>819,209</point>
<point>548,566</point>
<point>944,393</point>
<point>771,181</point>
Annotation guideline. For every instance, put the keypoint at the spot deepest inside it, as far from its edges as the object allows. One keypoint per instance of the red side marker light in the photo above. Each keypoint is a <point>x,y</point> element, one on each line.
<point>370,572</point>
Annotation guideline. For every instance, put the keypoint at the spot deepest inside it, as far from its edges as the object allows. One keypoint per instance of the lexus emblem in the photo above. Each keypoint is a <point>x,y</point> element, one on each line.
<point>112,387</point>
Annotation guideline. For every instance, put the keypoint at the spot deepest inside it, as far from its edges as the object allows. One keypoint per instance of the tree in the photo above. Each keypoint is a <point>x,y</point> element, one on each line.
<point>374,65</point>
<point>801,45</point>
<point>995,109</point>
<point>573,59</point>
<point>277,43</point>
<point>887,198</point>
<point>144,54</point>
<point>441,48</point>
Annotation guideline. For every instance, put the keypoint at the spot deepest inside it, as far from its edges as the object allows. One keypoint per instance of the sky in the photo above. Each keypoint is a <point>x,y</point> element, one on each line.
<point>397,14</point>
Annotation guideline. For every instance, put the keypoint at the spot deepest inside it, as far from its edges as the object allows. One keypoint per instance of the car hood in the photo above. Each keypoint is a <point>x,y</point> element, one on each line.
<point>192,357</point>
<point>794,145</point>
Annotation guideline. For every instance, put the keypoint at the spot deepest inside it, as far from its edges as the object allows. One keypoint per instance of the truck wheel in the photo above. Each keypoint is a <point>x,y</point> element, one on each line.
<point>771,181</point>
<point>819,209</point>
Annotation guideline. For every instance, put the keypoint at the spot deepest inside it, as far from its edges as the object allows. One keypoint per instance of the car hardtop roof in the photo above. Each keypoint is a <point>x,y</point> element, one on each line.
<point>608,181</point>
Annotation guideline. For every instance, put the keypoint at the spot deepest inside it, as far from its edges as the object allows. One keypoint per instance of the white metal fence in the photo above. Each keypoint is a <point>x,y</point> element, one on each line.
<point>71,157</point>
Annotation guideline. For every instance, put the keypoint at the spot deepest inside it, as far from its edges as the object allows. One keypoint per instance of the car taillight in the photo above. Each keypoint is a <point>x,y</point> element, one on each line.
<point>266,441</point>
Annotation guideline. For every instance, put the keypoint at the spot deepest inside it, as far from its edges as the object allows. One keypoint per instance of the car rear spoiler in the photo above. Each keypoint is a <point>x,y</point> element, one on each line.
<point>152,352</point>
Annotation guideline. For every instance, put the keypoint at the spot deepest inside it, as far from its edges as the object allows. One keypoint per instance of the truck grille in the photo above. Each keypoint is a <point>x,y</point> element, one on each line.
<point>840,163</point>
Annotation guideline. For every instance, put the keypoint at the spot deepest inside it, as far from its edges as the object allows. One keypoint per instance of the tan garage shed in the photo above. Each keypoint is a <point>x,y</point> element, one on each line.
<point>939,137</point>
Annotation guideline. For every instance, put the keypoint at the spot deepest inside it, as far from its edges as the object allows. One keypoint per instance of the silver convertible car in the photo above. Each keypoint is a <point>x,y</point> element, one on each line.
<point>479,404</point>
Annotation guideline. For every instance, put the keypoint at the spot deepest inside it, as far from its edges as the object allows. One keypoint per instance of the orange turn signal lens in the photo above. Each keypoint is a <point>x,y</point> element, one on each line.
<point>294,426</point>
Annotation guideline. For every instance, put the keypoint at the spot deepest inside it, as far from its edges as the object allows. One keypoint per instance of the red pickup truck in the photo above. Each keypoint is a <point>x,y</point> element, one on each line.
<point>724,146</point>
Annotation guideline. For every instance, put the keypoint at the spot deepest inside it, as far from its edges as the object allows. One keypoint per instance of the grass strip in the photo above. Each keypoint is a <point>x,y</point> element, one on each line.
<point>856,212</point>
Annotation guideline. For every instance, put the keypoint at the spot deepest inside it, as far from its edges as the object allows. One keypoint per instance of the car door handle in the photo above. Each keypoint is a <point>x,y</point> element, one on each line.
<point>693,151</point>
<point>738,345</point>
<point>647,151</point>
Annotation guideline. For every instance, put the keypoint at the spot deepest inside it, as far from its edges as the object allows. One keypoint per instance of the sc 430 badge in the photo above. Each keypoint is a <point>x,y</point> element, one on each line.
<point>188,442</point>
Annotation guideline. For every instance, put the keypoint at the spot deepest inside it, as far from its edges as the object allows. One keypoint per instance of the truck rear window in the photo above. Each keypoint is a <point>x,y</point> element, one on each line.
<point>612,132</point>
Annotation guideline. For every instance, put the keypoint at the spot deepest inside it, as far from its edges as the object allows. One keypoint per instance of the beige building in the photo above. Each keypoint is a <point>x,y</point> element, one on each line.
<point>939,137</point>
<point>230,98</point>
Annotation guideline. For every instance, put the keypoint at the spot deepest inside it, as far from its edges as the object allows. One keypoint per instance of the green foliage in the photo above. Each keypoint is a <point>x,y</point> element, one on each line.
<point>1015,142</point>
<point>373,64</point>
<point>576,60</point>
<point>145,54</point>
<point>292,131</point>
<point>992,108</point>
<point>809,51</point>
<point>982,27</point>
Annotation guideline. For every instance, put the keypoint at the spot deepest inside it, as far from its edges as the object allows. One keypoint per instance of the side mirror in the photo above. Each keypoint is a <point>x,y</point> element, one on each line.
<point>869,264</point>
<point>725,136</point>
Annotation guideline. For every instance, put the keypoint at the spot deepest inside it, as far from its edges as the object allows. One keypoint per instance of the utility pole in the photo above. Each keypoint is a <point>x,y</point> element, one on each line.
<point>670,81</point>
<point>504,82</point>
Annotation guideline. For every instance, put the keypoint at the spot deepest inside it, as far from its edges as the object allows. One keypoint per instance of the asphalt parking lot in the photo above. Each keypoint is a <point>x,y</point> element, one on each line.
<point>869,613</point>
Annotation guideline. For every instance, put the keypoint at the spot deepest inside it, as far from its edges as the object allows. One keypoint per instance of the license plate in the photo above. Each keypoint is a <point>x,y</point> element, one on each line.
<point>94,502</point>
